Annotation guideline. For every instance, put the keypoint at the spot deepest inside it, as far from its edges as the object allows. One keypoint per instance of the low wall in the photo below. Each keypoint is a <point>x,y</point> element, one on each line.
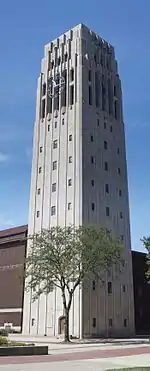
<point>24,351</point>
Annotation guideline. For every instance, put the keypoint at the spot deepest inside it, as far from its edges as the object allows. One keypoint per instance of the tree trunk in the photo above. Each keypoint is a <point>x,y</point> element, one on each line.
<point>66,339</point>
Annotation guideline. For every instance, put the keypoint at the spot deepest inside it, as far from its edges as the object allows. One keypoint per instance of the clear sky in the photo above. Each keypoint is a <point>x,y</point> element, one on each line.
<point>25,26</point>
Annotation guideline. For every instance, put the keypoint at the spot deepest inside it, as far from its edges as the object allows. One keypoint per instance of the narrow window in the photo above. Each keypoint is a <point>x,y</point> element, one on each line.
<point>71,95</point>
<point>93,285</point>
<point>72,74</point>
<point>90,76</point>
<point>109,287</point>
<point>118,151</point>
<point>40,169</point>
<point>121,215</point>
<point>107,211</point>
<point>111,128</point>
<point>92,138</point>
<point>69,205</point>
<point>122,237</point>
<point>63,121</point>
<point>124,288</point>
<point>70,159</point>
<point>93,160</point>
<point>40,149</point>
<point>43,109</point>
<point>119,171</point>
<point>97,122</point>
<point>53,210</point>
<point>103,97</point>
<point>70,137</point>
<point>55,144</point>
<point>54,187</point>
<point>93,206</point>
<point>120,192</point>
<point>37,214</point>
<point>106,166</point>
<point>69,182</point>
<point>125,322</point>
<point>97,89</point>
<point>90,96</point>
<point>92,182</point>
<point>48,128</point>
<point>104,125</point>
<point>66,57</point>
<point>107,188</point>
<point>116,110</point>
<point>115,91</point>
<point>44,89</point>
<point>110,322</point>
<point>55,124</point>
<point>94,322</point>
<point>54,165</point>
<point>105,144</point>
<point>39,191</point>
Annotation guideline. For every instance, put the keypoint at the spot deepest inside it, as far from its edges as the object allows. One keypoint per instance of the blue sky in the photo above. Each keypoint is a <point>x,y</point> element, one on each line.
<point>25,26</point>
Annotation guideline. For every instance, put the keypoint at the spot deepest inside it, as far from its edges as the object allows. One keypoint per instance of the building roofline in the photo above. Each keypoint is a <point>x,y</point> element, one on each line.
<point>14,231</point>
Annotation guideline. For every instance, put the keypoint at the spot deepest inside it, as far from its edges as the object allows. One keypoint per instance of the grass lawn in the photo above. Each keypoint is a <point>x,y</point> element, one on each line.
<point>131,369</point>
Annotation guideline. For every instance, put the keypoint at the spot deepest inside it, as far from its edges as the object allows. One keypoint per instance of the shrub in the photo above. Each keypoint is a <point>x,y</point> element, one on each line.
<point>3,332</point>
<point>3,341</point>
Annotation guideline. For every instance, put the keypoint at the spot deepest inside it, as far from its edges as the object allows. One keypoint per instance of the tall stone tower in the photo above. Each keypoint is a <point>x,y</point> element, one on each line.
<point>79,176</point>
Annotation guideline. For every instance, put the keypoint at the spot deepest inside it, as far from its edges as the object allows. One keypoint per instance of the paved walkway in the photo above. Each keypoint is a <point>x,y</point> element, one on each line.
<point>89,359</point>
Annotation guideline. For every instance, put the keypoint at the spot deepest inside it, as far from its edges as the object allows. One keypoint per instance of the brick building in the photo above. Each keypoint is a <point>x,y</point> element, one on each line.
<point>12,255</point>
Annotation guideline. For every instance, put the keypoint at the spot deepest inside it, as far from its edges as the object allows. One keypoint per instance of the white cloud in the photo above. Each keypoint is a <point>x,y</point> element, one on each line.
<point>3,157</point>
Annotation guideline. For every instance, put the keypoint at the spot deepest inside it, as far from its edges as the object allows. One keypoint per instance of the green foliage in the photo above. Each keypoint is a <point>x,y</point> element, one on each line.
<point>3,332</point>
<point>65,256</point>
<point>3,341</point>
<point>146,244</point>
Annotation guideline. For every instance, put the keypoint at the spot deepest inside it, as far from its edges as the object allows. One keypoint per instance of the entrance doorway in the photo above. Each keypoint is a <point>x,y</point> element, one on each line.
<point>61,325</point>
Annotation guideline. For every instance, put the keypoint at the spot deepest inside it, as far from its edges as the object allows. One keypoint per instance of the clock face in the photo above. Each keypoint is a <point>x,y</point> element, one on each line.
<point>55,86</point>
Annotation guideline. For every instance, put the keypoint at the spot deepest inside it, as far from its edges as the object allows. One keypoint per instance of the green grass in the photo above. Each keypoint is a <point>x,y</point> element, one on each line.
<point>131,369</point>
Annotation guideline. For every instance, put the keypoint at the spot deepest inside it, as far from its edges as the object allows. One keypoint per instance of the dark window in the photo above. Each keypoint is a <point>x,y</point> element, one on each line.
<point>92,182</point>
<point>92,160</point>
<point>54,187</point>
<point>121,215</point>
<point>58,61</point>
<point>37,214</point>
<point>105,125</point>
<point>54,165</point>
<point>40,169</point>
<point>71,95</point>
<point>69,182</point>
<point>107,211</point>
<point>111,128</point>
<point>120,192</point>
<point>93,206</point>
<point>110,322</point>
<point>105,144</point>
<point>40,149</point>
<point>39,191</point>
<point>93,285</point>
<point>70,137</point>
<point>90,96</point>
<point>63,121</point>
<point>92,139</point>
<point>107,188</point>
<point>44,89</point>
<point>48,128</point>
<point>72,74</point>
<point>97,89</point>
<point>119,171</point>
<point>55,144</point>
<point>106,166</point>
<point>103,97</point>
<point>43,109</point>
<point>97,122</point>
<point>94,322</point>
<point>109,287</point>
<point>122,237</point>
<point>69,205</point>
<point>118,151</point>
<point>70,159</point>
<point>124,288</point>
<point>66,57</point>
<point>53,210</point>
<point>90,75</point>
<point>115,91</point>
<point>55,124</point>
<point>116,116</point>
<point>125,322</point>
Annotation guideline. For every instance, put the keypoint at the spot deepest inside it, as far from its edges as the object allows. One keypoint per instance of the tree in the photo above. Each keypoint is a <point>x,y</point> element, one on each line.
<point>65,256</point>
<point>146,244</point>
